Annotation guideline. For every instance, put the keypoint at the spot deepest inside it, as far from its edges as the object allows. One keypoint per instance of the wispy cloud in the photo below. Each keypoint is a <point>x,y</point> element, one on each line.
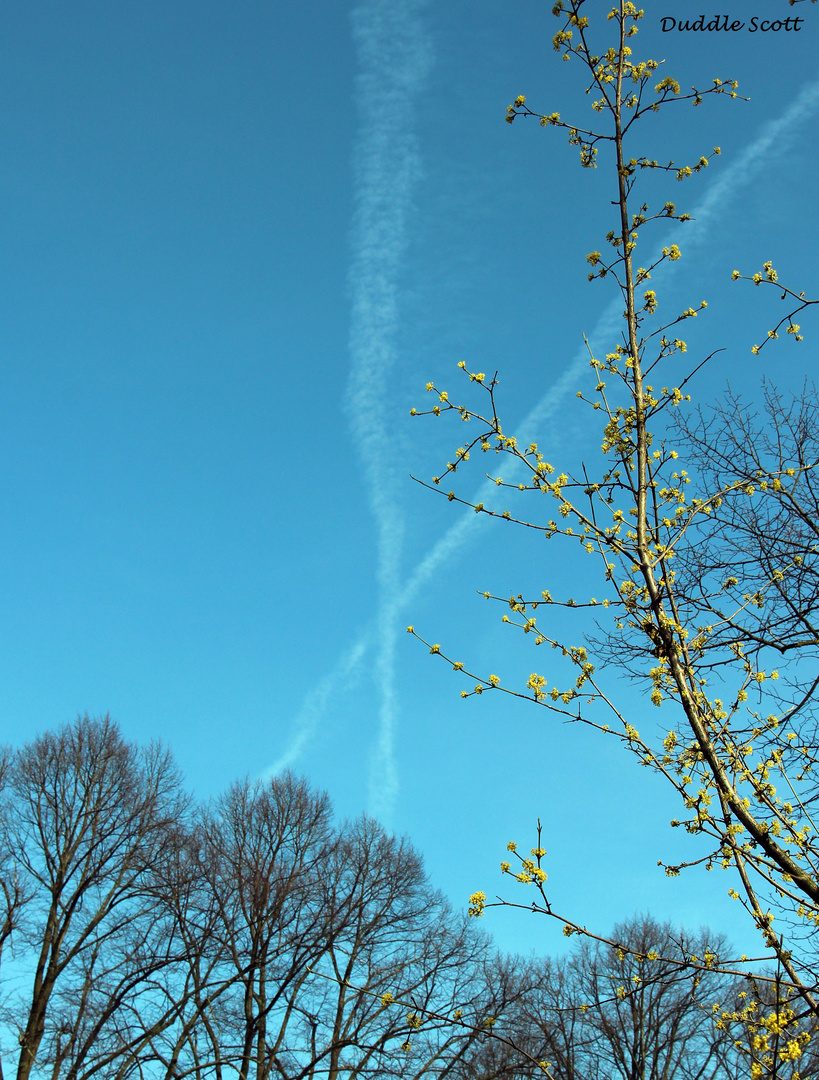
<point>394,54</point>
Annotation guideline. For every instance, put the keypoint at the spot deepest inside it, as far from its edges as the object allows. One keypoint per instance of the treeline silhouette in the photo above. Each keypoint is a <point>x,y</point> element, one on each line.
<point>147,935</point>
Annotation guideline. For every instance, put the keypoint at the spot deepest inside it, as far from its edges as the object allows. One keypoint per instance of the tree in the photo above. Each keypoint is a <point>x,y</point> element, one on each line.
<point>87,819</point>
<point>259,852</point>
<point>625,1011</point>
<point>14,896</point>
<point>739,752</point>
<point>311,950</point>
<point>646,1018</point>
<point>410,987</point>
<point>772,618</point>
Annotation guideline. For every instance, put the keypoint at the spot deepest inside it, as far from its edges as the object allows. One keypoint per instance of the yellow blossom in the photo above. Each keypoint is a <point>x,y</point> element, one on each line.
<point>477,902</point>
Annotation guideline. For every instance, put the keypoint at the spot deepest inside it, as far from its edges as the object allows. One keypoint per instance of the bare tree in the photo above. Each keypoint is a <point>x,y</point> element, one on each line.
<point>732,448</point>
<point>649,1018</point>
<point>626,1010</point>
<point>88,816</point>
<point>190,1045</point>
<point>13,895</point>
<point>251,939</point>
<point>260,852</point>
<point>316,952</point>
<point>504,1021</point>
<point>410,986</point>
<point>551,1021</point>
<point>754,574</point>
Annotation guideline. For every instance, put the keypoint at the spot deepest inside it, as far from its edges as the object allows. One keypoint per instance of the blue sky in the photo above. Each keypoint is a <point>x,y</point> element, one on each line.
<point>237,240</point>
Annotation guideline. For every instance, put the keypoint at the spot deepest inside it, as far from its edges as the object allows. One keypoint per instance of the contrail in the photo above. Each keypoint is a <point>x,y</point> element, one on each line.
<point>776,133</point>
<point>341,678</point>
<point>394,56</point>
<point>368,378</point>
<point>739,174</point>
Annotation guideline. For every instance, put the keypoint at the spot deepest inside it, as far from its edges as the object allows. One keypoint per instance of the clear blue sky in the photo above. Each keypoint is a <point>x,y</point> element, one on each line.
<point>236,241</point>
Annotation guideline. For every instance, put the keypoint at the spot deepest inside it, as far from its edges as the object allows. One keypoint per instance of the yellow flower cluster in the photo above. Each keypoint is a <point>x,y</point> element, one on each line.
<point>477,902</point>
